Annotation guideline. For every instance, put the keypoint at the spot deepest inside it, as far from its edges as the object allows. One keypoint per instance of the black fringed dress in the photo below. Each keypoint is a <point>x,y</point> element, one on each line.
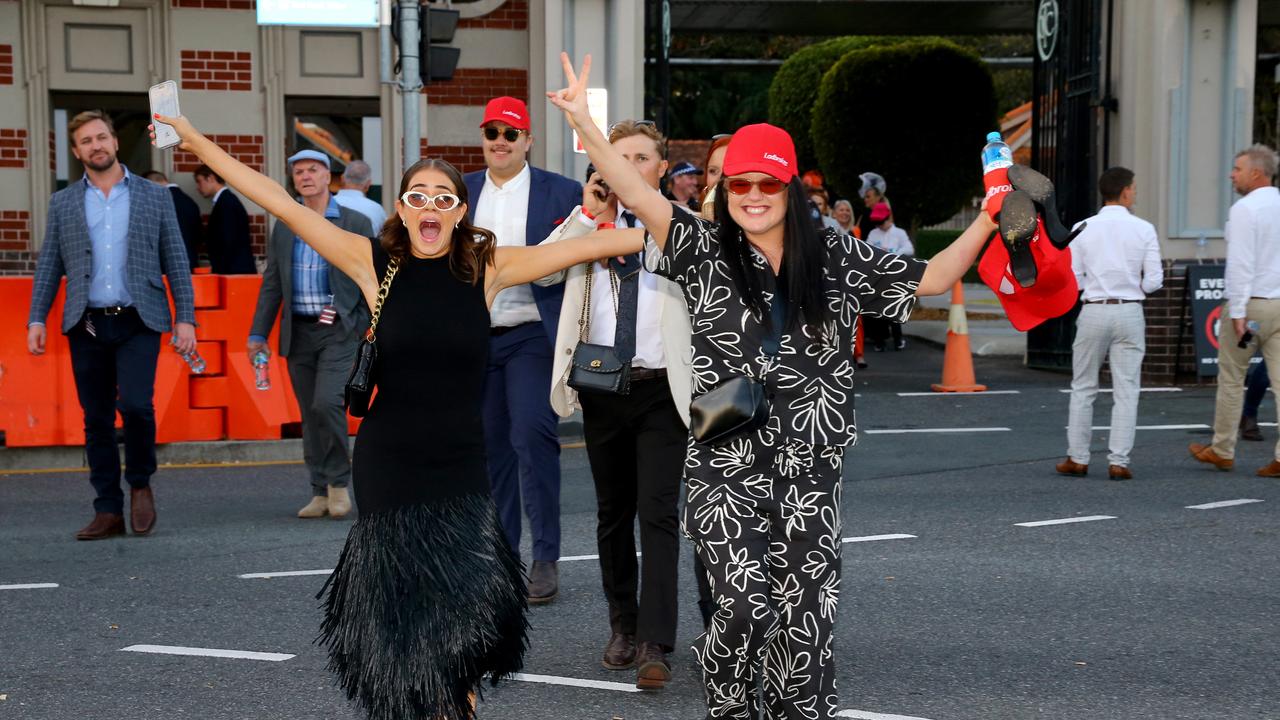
<point>427,598</point>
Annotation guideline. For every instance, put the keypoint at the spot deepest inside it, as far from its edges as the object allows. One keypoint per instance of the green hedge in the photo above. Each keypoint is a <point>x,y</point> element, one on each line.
<point>930,242</point>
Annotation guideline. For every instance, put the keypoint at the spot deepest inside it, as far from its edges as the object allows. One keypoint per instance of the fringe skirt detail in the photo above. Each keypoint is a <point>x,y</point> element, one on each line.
<point>425,602</point>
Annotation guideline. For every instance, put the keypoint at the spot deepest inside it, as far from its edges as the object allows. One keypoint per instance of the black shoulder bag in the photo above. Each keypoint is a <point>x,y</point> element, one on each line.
<point>360,384</point>
<point>739,405</point>
<point>596,368</point>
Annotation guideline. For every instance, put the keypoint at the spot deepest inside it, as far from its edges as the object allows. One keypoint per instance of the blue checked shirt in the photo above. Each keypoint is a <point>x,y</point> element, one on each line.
<point>108,219</point>
<point>311,273</point>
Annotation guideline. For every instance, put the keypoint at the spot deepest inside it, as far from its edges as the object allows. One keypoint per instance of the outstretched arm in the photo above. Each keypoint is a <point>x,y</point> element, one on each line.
<point>346,251</point>
<point>948,266</point>
<point>519,265</point>
<point>625,181</point>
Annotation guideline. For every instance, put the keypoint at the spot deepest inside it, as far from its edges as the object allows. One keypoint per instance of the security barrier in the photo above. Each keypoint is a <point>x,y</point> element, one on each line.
<point>38,404</point>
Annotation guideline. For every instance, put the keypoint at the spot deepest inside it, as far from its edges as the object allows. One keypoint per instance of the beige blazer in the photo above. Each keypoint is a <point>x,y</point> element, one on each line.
<point>676,333</point>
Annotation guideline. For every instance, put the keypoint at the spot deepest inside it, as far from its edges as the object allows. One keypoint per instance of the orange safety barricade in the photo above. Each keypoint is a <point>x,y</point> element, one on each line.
<point>38,404</point>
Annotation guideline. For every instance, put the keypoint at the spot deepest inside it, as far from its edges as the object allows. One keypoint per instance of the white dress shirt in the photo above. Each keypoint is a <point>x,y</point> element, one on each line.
<point>604,320</point>
<point>1117,256</point>
<point>1253,249</point>
<point>893,240</point>
<point>214,199</point>
<point>505,211</point>
<point>355,200</point>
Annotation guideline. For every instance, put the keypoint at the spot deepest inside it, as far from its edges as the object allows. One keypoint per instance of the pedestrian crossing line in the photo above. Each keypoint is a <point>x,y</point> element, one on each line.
<point>29,586</point>
<point>957,395</point>
<point>864,715</point>
<point>1145,390</point>
<point>874,538</point>
<point>1224,503</point>
<point>1065,521</point>
<point>208,652</point>
<point>576,682</point>
<point>286,573</point>
<point>580,558</point>
<point>906,431</point>
<point>1191,426</point>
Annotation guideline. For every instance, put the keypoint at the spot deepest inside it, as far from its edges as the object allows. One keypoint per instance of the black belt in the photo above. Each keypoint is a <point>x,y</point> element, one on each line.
<point>112,310</point>
<point>639,373</point>
<point>1110,301</point>
<point>503,330</point>
<point>309,319</point>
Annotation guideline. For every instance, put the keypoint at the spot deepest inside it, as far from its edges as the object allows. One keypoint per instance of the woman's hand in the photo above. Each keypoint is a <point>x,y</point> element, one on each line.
<point>186,131</point>
<point>572,100</point>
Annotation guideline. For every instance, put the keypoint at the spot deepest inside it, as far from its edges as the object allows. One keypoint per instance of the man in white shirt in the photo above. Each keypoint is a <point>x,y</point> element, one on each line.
<point>1116,260</point>
<point>356,181</point>
<point>890,238</point>
<point>1253,296</point>
<point>635,442</point>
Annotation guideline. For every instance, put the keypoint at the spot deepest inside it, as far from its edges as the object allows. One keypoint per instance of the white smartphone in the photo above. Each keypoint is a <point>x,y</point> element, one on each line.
<point>164,100</point>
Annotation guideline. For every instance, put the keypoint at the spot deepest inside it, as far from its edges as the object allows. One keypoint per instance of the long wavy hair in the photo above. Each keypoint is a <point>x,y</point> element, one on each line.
<point>470,247</point>
<point>804,255</point>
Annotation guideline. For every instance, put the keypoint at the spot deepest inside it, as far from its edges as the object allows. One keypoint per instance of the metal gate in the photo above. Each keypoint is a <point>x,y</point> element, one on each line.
<point>1070,105</point>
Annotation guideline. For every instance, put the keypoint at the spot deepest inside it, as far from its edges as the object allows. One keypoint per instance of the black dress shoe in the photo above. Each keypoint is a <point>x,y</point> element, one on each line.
<point>620,653</point>
<point>1018,227</point>
<point>653,670</point>
<point>544,582</point>
<point>1249,429</point>
<point>1040,188</point>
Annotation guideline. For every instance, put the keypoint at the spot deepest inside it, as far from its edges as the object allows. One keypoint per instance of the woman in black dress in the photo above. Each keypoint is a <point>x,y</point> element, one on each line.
<point>427,598</point>
<point>763,509</point>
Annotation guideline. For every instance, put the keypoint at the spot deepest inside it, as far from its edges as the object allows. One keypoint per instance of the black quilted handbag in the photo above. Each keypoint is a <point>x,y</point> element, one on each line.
<point>596,368</point>
<point>359,389</point>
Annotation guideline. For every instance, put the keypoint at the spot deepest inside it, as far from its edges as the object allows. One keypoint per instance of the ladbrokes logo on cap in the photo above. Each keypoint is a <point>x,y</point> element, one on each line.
<point>777,159</point>
<point>513,114</point>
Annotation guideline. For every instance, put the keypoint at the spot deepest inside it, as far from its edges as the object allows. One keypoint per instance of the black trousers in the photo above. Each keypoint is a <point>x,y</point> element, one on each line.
<point>878,329</point>
<point>636,446</point>
<point>116,370</point>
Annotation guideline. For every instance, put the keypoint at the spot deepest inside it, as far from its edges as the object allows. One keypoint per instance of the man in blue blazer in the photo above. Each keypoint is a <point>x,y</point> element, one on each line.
<point>522,205</point>
<point>112,235</point>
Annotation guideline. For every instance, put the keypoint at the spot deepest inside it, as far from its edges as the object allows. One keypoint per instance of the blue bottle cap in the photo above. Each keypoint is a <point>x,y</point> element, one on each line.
<point>993,137</point>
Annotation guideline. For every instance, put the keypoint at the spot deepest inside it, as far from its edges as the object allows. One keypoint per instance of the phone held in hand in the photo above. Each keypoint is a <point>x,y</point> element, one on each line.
<point>603,190</point>
<point>164,101</point>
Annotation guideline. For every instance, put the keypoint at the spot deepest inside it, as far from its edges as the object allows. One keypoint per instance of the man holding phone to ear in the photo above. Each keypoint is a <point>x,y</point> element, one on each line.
<point>113,237</point>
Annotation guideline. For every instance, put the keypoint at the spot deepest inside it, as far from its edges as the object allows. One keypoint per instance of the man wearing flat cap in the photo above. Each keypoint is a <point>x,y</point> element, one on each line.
<point>321,316</point>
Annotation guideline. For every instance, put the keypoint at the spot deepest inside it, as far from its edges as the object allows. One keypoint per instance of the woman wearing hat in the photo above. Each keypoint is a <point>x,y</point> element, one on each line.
<point>763,508</point>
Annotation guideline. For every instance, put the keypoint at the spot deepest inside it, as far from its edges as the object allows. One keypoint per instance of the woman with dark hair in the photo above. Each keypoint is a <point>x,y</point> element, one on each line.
<point>427,598</point>
<point>763,508</point>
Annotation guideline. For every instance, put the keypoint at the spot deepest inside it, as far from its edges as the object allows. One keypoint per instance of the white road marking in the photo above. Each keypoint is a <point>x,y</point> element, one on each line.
<point>575,682</point>
<point>864,715</point>
<point>207,652</point>
<point>1223,503</point>
<point>904,431</point>
<point>287,573</point>
<point>873,538</point>
<point>1064,521</point>
<point>29,586</point>
<point>576,558</point>
<point>1154,389</point>
<point>1193,426</point>
<point>956,395</point>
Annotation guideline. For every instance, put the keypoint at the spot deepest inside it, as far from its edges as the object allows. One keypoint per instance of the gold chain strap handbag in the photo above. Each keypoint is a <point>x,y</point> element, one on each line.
<point>596,368</point>
<point>360,384</point>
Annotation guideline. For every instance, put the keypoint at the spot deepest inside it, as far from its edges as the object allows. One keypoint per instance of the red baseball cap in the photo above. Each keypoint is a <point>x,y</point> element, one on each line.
<point>1054,293</point>
<point>761,148</point>
<point>507,110</point>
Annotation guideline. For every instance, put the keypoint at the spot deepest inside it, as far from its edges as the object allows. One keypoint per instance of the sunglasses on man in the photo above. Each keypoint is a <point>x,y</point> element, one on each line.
<point>509,134</point>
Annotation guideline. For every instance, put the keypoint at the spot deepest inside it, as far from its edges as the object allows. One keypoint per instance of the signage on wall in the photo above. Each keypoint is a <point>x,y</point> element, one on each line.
<point>1206,291</point>
<point>325,13</point>
<point>1047,29</point>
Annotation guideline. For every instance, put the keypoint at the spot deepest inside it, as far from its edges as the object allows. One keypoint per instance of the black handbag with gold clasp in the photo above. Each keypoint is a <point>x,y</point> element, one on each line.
<point>359,389</point>
<point>596,368</point>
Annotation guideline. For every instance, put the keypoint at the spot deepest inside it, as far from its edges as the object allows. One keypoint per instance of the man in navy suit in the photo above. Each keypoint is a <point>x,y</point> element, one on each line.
<point>227,237</point>
<point>522,205</point>
<point>112,234</point>
<point>188,215</point>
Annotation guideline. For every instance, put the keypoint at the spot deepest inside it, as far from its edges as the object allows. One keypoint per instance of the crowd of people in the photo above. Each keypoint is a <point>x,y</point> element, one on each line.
<point>495,301</point>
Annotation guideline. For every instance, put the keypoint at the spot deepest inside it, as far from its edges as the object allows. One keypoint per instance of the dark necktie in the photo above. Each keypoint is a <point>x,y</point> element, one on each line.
<point>624,336</point>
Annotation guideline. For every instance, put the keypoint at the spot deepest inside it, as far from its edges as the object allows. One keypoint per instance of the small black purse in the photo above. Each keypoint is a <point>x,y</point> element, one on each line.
<point>596,368</point>
<point>740,405</point>
<point>359,389</point>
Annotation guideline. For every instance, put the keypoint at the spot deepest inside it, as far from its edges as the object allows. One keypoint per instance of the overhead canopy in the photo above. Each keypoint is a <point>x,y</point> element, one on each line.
<point>855,17</point>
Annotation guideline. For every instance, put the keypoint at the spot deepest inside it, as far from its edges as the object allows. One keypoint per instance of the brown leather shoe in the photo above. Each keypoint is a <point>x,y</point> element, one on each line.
<point>103,526</point>
<point>654,671</point>
<point>142,510</point>
<point>1119,472</point>
<point>620,653</point>
<point>1271,470</point>
<point>1072,468</point>
<point>1249,429</point>
<point>544,582</point>
<point>1206,454</point>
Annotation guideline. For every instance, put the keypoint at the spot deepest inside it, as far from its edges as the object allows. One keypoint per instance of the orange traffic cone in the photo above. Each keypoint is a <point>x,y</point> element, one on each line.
<point>957,364</point>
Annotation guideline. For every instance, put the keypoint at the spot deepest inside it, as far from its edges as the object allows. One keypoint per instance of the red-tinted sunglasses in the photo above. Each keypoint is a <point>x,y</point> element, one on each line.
<point>768,186</point>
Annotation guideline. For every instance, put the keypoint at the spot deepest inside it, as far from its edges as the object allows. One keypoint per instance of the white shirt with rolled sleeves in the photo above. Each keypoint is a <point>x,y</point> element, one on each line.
<point>505,211</point>
<point>1117,256</point>
<point>1253,250</point>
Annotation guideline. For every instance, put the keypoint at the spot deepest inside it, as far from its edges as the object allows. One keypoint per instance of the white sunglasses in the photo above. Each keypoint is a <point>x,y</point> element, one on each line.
<point>421,201</point>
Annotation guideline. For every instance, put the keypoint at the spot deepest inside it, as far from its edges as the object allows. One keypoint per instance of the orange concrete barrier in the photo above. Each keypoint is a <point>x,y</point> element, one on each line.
<point>38,404</point>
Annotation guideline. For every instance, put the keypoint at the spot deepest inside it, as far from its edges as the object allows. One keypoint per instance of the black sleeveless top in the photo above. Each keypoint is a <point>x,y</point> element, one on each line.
<point>423,437</point>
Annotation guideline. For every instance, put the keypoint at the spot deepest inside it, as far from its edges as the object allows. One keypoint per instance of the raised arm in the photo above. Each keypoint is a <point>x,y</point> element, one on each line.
<point>350,253</point>
<point>948,266</point>
<point>519,265</point>
<point>625,181</point>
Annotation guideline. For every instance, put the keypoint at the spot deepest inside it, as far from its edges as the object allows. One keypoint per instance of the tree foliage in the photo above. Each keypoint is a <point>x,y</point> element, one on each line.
<point>917,113</point>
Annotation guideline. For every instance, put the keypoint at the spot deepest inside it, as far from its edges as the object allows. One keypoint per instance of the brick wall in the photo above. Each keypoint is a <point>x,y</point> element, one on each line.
<point>217,70</point>
<point>476,86</point>
<point>13,147</point>
<point>6,64</point>
<point>512,15</point>
<point>245,148</point>
<point>466,158</point>
<point>16,257</point>
<point>217,4</point>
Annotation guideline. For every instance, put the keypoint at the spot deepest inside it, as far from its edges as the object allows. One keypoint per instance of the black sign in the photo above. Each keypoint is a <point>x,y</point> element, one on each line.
<point>1206,291</point>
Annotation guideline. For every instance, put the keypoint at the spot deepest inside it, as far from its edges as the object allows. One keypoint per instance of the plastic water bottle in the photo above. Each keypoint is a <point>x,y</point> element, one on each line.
<point>997,158</point>
<point>1202,247</point>
<point>194,361</point>
<point>260,378</point>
